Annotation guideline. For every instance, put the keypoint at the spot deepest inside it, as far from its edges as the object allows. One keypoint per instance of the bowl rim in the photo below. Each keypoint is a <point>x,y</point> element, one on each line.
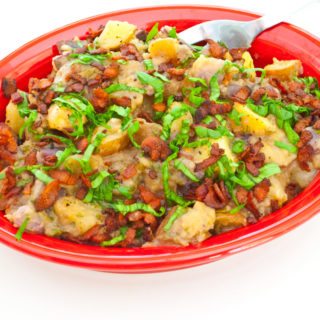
<point>162,258</point>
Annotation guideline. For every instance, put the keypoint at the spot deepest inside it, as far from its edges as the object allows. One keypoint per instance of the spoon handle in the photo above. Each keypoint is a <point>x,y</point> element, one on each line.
<point>271,20</point>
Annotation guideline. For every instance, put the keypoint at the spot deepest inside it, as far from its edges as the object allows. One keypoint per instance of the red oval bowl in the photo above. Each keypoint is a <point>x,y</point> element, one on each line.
<point>283,42</point>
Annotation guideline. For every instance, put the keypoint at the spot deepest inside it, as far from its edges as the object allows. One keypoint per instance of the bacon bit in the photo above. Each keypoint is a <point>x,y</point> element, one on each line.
<point>242,195</point>
<point>238,93</point>
<point>130,51</point>
<point>130,236</point>
<point>149,197</point>
<point>122,101</point>
<point>176,72</point>
<point>150,220</point>
<point>13,192</point>
<point>277,84</point>
<point>274,204</point>
<point>159,107</point>
<point>9,181</point>
<point>50,160</point>
<point>253,159</point>
<point>302,124</point>
<point>237,53</point>
<point>145,115</point>
<point>48,196</point>
<point>77,77</point>
<point>292,190</point>
<point>16,98</point>
<point>258,93</point>
<point>92,232</point>
<point>8,87</point>
<point>156,148</point>
<point>93,82</point>
<point>163,67</point>
<point>31,158</point>
<point>316,125</point>
<point>75,87</point>
<point>216,50</point>
<point>251,206</point>
<point>216,153</point>
<point>260,191</point>
<point>81,192</point>
<point>305,137</point>
<point>135,216</point>
<point>64,177</point>
<point>27,188</point>
<point>97,65</point>
<point>92,34</point>
<point>86,181</point>
<point>129,172</point>
<point>7,156</point>
<point>304,156</point>
<point>152,174</point>
<point>82,144</point>
<point>141,35</point>
<point>99,99</point>
<point>8,138</point>
<point>42,108</point>
<point>39,84</point>
<point>111,71</point>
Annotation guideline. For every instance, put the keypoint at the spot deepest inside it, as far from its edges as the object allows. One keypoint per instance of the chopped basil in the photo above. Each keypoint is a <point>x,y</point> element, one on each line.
<point>126,208</point>
<point>197,48</point>
<point>22,228</point>
<point>235,116</point>
<point>123,87</point>
<point>194,96</point>
<point>214,87</point>
<point>117,239</point>
<point>28,123</point>
<point>23,182</point>
<point>23,107</point>
<point>41,176</point>
<point>173,33</point>
<point>236,209</point>
<point>204,132</point>
<point>132,129</point>
<point>178,164</point>
<point>170,100</point>
<point>292,136</point>
<point>161,76</point>
<point>197,143</point>
<point>153,32</point>
<point>148,64</point>
<point>177,214</point>
<point>2,175</point>
<point>122,61</point>
<point>238,146</point>
<point>198,80</point>
<point>87,58</point>
<point>261,110</point>
<point>207,120</point>
<point>286,146</point>
<point>154,82</point>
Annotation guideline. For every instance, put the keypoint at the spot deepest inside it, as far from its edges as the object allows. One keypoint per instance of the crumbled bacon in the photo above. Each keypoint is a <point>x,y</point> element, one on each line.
<point>216,50</point>
<point>129,172</point>
<point>149,197</point>
<point>251,206</point>
<point>316,125</point>
<point>64,177</point>
<point>99,99</point>
<point>111,71</point>
<point>6,157</point>
<point>122,101</point>
<point>304,156</point>
<point>253,158</point>
<point>16,98</point>
<point>176,72</point>
<point>48,196</point>
<point>82,144</point>
<point>141,35</point>
<point>302,124</point>
<point>259,92</point>
<point>156,148</point>
<point>7,138</point>
<point>260,191</point>
<point>9,181</point>
<point>39,84</point>
<point>49,160</point>
<point>81,192</point>
<point>31,158</point>
<point>74,87</point>
<point>159,107</point>
<point>237,53</point>
<point>305,137</point>
<point>216,153</point>
<point>292,190</point>
<point>212,108</point>
<point>130,51</point>
<point>8,87</point>
<point>238,93</point>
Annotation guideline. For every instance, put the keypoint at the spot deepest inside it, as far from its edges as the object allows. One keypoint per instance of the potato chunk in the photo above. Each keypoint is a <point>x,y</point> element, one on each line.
<point>13,119</point>
<point>115,34</point>
<point>191,228</point>
<point>115,140</point>
<point>75,216</point>
<point>252,122</point>
<point>165,49</point>
<point>226,221</point>
<point>284,69</point>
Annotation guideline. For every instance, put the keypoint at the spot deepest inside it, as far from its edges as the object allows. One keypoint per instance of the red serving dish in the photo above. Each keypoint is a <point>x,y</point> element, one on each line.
<point>34,60</point>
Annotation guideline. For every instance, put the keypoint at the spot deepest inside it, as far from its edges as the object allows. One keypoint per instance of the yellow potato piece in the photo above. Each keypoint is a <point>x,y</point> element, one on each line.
<point>166,49</point>
<point>284,69</point>
<point>248,64</point>
<point>115,140</point>
<point>226,221</point>
<point>13,119</point>
<point>252,122</point>
<point>115,34</point>
<point>75,216</point>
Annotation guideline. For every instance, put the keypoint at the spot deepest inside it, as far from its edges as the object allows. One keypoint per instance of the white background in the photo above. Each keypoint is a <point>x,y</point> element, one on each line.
<point>279,280</point>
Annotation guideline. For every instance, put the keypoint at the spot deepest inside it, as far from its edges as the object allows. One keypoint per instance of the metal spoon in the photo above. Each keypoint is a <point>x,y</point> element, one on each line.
<point>235,34</point>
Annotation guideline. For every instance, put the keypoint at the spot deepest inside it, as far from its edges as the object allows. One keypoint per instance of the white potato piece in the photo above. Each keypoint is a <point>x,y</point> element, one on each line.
<point>75,216</point>
<point>205,67</point>
<point>115,140</point>
<point>13,118</point>
<point>115,34</point>
<point>177,123</point>
<point>190,228</point>
<point>284,69</point>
